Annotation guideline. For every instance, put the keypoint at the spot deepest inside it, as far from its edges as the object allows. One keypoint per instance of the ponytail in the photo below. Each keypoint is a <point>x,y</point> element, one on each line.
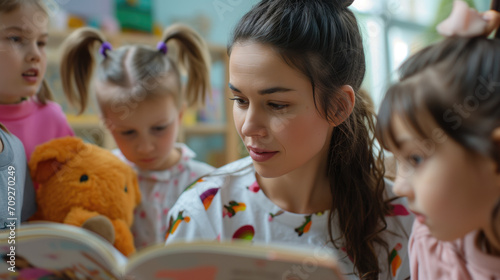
<point>45,93</point>
<point>193,56</point>
<point>78,63</point>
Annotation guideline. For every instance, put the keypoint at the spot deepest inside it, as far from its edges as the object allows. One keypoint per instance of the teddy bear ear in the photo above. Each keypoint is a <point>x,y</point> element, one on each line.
<point>48,158</point>
<point>45,170</point>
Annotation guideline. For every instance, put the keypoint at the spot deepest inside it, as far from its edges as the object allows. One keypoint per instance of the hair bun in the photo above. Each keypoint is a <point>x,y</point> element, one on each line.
<point>347,3</point>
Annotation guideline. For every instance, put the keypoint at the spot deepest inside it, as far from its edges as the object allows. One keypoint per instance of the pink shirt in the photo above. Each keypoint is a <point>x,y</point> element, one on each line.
<point>457,260</point>
<point>34,123</point>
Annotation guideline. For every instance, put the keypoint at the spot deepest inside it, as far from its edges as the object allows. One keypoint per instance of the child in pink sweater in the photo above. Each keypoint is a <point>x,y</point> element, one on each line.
<point>25,106</point>
<point>442,122</point>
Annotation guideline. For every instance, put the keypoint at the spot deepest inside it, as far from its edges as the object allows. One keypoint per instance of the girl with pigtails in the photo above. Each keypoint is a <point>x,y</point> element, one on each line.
<point>314,176</point>
<point>441,120</point>
<point>142,98</point>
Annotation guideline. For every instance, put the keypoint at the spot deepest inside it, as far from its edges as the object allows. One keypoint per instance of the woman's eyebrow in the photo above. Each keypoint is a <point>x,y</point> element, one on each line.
<point>263,91</point>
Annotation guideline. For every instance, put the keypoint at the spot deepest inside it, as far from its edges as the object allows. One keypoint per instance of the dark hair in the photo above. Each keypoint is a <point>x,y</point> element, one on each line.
<point>463,72</point>
<point>137,69</point>
<point>7,6</point>
<point>321,39</point>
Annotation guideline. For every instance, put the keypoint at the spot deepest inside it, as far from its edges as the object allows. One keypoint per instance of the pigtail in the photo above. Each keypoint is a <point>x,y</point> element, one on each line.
<point>193,56</point>
<point>2,127</point>
<point>45,93</point>
<point>78,63</point>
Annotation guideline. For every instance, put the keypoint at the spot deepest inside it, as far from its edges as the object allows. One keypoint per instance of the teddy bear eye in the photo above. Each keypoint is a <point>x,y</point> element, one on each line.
<point>126,189</point>
<point>84,178</point>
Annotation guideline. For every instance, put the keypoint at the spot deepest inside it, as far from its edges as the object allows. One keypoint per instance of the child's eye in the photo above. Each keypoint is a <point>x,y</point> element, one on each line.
<point>239,101</point>
<point>128,132</point>
<point>159,128</point>
<point>41,44</point>
<point>415,160</point>
<point>15,39</point>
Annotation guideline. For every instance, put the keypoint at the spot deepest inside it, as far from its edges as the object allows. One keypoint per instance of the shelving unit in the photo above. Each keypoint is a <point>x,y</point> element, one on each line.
<point>90,128</point>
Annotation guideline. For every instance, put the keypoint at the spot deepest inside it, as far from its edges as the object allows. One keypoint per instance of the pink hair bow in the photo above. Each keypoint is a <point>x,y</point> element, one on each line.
<point>463,21</point>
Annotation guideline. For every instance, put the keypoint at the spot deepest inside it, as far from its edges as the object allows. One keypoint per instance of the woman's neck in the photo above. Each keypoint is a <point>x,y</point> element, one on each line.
<point>304,191</point>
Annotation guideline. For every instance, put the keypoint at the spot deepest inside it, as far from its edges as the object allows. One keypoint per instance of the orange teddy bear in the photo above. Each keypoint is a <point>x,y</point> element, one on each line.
<point>84,185</point>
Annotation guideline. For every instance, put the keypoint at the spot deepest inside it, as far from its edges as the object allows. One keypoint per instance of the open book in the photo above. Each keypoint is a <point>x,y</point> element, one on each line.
<point>45,250</point>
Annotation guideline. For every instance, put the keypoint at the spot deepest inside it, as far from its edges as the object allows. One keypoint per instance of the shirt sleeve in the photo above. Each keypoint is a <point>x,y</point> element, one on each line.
<point>189,221</point>
<point>29,200</point>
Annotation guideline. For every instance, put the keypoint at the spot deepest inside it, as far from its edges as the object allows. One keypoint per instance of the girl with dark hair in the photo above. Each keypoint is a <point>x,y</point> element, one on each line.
<point>442,123</point>
<point>314,176</point>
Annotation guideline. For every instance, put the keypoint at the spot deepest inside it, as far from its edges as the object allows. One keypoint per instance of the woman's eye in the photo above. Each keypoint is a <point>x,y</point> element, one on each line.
<point>41,44</point>
<point>239,101</point>
<point>276,106</point>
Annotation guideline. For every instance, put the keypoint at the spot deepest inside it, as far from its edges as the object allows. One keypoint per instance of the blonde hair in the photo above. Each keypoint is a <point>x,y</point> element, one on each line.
<point>135,68</point>
<point>2,127</point>
<point>7,6</point>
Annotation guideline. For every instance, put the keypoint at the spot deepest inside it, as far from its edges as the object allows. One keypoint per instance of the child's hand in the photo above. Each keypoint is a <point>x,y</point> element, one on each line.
<point>467,22</point>
<point>492,21</point>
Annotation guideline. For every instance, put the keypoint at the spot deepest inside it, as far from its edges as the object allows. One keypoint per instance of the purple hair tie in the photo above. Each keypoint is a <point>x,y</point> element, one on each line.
<point>104,48</point>
<point>162,47</point>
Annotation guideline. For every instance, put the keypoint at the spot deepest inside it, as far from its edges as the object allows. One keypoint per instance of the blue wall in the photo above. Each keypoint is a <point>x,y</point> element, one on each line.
<point>222,15</point>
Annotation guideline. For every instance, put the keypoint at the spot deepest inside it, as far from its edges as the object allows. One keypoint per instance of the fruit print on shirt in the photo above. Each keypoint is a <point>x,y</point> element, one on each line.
<point>173,225</point>
<point>304,228</point>
<point>207,197</point>
<point>271,215</point>
<point>233,208</point>
<point>254,187</point>
<point>246,232</point>
<point>398,210</point>
<point>395,259</point>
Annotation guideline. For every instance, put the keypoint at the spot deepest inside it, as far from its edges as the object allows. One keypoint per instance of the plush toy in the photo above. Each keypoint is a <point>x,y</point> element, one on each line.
<point>84,185</point>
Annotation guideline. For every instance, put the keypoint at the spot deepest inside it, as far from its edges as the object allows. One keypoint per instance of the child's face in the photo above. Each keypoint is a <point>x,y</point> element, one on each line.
<point>274,112</point>
<point>450,190</point>
<point>146,134</point>
<point>23,36</point>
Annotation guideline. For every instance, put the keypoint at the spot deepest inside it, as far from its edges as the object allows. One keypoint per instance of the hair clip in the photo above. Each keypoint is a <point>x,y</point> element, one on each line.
<point>162,47</point>
<point>104,48</point>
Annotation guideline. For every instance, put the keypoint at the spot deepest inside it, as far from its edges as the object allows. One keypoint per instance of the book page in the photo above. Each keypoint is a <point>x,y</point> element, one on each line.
<point>45,253</point>
<point>192,261</point>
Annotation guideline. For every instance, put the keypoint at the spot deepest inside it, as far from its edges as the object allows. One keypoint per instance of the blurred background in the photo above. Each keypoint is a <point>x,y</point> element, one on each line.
<point>392,30</point>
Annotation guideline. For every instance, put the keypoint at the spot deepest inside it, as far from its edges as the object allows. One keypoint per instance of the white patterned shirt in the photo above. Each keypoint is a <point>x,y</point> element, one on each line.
<point>232,206</point>
<point>159,191</point>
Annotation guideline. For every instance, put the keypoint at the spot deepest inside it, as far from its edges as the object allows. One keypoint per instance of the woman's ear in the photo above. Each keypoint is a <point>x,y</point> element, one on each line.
<point>495,137</point>
<point>346,101</point>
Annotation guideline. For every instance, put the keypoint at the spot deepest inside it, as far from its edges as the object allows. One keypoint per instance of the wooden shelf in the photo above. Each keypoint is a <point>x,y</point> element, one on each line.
<point>205,129</point>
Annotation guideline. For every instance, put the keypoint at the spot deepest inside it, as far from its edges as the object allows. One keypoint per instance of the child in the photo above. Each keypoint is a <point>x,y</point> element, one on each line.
<point>312,177</point>
<point>442,122</point>
<point>17,202</point>
<point>140,95</point>
<point>25,106</point>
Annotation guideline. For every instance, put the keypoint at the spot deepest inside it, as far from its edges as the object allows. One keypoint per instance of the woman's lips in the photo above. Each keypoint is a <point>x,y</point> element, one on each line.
<point>260,155</point>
